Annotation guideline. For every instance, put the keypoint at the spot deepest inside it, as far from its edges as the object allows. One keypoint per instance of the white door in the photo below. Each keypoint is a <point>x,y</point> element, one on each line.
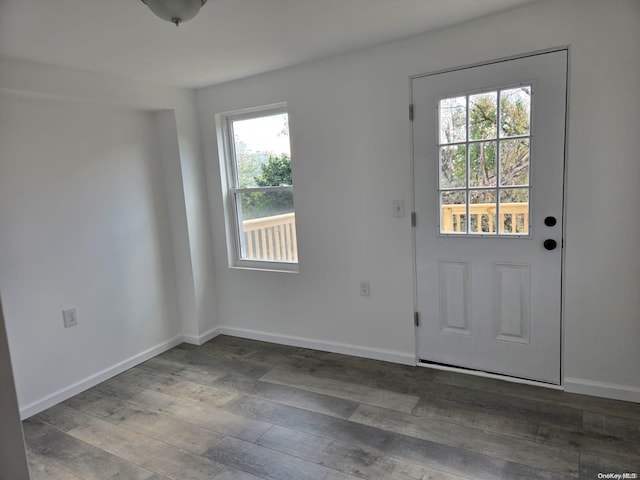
<point>488,183</point>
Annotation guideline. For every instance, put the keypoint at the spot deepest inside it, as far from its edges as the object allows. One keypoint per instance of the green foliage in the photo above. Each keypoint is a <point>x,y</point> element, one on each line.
<point>275,172</point>
<point>248,163</point>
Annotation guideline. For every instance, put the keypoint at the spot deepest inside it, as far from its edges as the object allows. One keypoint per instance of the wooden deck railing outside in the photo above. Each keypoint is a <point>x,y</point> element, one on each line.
<point>271,238</point>
<point>511,215</point>
<point>274,238</point>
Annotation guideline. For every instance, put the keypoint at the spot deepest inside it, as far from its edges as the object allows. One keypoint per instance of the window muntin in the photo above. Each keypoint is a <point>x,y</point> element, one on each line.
<point>261,190</point>
<point>484,154</point>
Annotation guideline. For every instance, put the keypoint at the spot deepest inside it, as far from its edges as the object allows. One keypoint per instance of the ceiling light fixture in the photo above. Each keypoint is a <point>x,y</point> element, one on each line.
<point>175,11</point>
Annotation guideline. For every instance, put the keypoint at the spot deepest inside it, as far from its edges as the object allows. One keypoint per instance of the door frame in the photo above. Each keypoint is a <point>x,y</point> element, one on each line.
<point>481,373</point>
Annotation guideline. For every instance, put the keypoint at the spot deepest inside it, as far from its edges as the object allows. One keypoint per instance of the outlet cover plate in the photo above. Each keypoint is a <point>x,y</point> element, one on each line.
<point>70,317</point>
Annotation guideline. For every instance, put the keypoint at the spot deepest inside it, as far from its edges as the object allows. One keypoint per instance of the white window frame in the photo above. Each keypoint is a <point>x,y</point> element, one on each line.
<point>231,191</point>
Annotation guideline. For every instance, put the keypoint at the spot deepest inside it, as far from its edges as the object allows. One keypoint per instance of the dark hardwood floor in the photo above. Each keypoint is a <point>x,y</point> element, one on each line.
<point>242,409</point>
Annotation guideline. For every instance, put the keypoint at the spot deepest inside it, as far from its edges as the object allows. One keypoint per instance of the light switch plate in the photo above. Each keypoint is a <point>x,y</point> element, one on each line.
<point>398,208</point>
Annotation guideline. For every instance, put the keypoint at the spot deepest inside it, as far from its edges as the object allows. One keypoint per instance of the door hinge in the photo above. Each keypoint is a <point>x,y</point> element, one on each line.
<point>413,219</point>
<point>416,318</point>
<point>411,112</point>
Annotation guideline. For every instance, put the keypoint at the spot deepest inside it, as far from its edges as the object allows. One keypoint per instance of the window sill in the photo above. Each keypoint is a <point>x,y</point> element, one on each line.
<point>266,266</point>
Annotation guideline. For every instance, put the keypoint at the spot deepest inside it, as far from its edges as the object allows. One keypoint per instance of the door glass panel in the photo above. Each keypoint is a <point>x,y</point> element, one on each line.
<point>482,211</point>
<point>514,211</point>
<point>515,111</point>
<point>482,164</point>
<point>453,120</point>
<point>453,166</point>
<point>484,152</point>
<point>483,116</point>
<point>453,212</point>
<point>514,162</point>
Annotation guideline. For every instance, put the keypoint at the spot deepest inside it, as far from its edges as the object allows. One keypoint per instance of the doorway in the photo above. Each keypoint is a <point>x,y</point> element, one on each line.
<point>489,147</point>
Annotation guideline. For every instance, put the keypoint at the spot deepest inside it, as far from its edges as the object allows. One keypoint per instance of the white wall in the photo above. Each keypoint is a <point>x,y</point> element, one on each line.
<point>103,207</point>
<point>351,148</point>
<point>85,224</point>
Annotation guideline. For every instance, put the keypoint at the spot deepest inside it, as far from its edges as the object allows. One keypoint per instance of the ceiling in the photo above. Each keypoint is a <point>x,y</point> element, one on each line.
<point>229,39</point>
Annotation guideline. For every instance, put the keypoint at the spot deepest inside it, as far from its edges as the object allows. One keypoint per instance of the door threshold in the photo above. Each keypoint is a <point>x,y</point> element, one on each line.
<point>482,373</point>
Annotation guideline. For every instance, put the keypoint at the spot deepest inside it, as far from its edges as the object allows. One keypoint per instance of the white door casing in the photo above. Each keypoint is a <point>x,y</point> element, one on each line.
<point>491,300</point>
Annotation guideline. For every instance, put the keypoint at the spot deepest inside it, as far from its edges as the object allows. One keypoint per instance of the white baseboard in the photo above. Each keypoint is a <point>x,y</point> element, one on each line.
<point>601,389</point>
<point>78,387</point>
<point>205,337</point>
<point>344,348</point>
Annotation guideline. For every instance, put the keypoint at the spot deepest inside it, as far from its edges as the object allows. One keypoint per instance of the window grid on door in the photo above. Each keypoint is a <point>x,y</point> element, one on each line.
<point>484,162</point>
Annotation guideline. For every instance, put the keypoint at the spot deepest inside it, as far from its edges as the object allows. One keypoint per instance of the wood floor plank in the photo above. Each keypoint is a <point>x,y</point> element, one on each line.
<point>145,451</point>
<point>42,469</point>
<point>80,458</point>
<point>236,383</point>
<point>592,465</point>
<point>60,416</point>
<point>222,342</point>
<point>549,396</point>
<point>379,367</point>
<point>206,416</point>
<point>534,454</point>
<point>526,428</point>
<point>354,460</point>
<point>191,355</point>
<point>333,369</point>
<point>628,430</point>
<point>587,442</point>
<point>454,460</point>
<point>269,464</point>
<point>348,391</point>
<point>176,387</point>
<point>394,377</point>
<point>159,426</point>
<point>296,397</point>
<point>176,369</point>
<point>229,473</point>
<point>487,401</point>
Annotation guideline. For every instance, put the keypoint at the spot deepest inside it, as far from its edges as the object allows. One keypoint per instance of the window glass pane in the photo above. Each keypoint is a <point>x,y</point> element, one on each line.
<point>453,166</point>
<point>482,211</point>
<point>262,151</point>
<point>453,120</point>
<point>453,212</point>
<point>482,116</point>
<point>482,164</point>
<point>514,162</point>
<point>515,111</point>
<point>267,226</point>
<point>514,211</point>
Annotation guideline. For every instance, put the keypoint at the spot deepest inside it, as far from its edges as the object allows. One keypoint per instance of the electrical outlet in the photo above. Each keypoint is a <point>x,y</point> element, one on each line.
<point>364,289</point>
<point>70,317</point>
